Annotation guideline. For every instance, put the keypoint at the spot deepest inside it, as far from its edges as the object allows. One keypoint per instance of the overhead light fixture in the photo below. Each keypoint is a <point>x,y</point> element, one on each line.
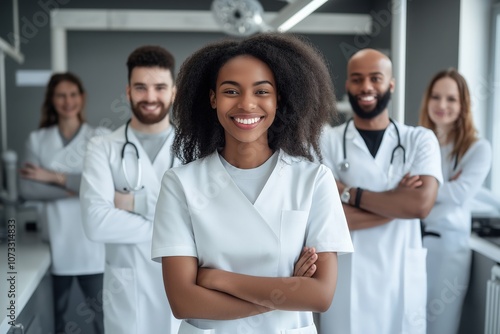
<point>293,13</point>
<point>245,17</point>
<point>238,17</point>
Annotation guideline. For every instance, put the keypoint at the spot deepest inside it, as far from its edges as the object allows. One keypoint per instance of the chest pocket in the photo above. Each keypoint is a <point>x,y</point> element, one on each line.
<point>292,232</point>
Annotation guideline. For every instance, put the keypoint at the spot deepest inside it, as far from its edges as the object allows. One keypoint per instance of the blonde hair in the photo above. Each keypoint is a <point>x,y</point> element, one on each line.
<point>464,133</point>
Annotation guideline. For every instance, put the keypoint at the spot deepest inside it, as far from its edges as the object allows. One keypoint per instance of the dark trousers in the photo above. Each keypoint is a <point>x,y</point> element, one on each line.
<point>90,310</point>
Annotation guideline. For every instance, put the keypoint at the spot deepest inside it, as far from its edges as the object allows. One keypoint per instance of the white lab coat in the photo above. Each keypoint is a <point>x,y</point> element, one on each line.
<point>202,213</point>
<point>134,298</point>
<point>382,285</point>
<point>71,251</point>
<point>449,256</point>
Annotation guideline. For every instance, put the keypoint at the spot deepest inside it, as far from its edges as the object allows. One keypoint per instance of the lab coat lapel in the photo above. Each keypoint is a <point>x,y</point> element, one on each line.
<point>51,152</point>
<point>391,175</point>
<point>260,212</point>
<point>269,203</point>
<point>354,136</point>
<point>67,158</point>
<point>359,157</point>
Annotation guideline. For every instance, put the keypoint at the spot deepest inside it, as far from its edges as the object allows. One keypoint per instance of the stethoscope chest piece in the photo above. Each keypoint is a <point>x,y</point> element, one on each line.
<point>344,166</point>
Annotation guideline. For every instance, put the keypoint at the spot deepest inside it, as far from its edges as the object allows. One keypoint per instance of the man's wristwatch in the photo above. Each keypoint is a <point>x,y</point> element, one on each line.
<point>346,195</point>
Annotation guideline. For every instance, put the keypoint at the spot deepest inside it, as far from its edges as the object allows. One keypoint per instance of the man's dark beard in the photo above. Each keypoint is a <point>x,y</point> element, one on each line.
<point>382,102</point>
<point>148,119</point>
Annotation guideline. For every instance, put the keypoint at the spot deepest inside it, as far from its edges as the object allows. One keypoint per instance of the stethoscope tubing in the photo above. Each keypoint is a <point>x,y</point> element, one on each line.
<point>138,185</point>
<point>344,166</point>
<point>139,164</point>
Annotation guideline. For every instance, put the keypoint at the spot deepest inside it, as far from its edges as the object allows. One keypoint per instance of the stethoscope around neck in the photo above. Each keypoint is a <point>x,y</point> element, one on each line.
<point>138,182</point>
<point>344,165</point>
<point>137,185</point>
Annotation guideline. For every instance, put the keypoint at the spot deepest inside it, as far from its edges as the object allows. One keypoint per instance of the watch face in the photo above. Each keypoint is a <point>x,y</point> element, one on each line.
<point>345,196</point>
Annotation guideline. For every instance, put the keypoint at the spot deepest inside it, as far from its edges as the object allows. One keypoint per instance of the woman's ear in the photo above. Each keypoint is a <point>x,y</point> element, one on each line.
<point>213,101</point>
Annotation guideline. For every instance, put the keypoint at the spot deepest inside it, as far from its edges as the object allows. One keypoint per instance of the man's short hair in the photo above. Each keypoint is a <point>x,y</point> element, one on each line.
<point>151,56</point>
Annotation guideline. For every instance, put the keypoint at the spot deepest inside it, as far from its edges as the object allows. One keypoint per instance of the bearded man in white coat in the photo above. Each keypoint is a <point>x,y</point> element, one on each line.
<point>388,175</point>
<point>120,185</point>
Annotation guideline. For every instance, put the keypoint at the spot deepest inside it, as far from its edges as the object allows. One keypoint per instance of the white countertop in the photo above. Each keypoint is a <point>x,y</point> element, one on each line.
<point>485,247</point>
<point>32,260</point>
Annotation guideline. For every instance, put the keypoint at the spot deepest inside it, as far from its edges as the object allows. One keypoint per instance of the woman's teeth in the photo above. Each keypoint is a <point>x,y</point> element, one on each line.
<point>247,120</point>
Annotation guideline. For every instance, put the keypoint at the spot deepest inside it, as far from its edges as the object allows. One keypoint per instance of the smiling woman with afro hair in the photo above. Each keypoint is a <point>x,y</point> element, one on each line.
<point>304,86</point>
<point>248,229</point>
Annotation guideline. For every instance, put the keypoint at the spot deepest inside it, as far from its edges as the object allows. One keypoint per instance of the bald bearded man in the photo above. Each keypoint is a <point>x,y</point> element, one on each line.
<point>388,176</point>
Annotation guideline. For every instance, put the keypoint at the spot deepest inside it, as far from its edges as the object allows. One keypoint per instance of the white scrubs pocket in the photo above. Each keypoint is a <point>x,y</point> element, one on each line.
<point>187,328</point>
<point>415,291</point>
<point>311,329</point>
<point>293,230</point>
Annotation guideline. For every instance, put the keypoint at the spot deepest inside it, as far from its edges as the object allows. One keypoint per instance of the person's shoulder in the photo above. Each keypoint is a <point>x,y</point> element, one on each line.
<point>331,135</point>
<point>417,133</point>
<point>41,134</point>
<point>92,132</point>
<point>332,130</point>
<point>102,134</point>
<point>482,143</point>
<point>417,129</point>
<point>193,166</point>
<point>481,147</point>
<point>98,130</point>
<point>301,163</point>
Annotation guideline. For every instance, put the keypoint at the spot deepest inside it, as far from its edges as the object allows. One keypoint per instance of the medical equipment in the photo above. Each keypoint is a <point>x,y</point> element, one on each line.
<point>344,165</point>
<point>138,185</point>
<point>124,167</point>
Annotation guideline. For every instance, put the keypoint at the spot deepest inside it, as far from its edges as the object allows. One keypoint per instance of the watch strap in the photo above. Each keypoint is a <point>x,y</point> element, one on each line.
<point>357,200</point>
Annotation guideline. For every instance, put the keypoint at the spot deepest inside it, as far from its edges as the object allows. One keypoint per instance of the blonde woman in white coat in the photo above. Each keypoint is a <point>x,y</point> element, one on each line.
<point>51,173</point>
<point>466,161</point>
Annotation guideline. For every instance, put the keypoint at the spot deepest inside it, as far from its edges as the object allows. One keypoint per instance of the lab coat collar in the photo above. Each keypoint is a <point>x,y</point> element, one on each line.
<point>353,133</point>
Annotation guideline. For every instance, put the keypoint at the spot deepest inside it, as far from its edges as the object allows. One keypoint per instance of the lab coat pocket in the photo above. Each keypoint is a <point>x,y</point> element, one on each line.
<point>311,329</point>
<point>415,291</point>
<point>187,328</point>
<point>293,230</point>
<point>119,298</point>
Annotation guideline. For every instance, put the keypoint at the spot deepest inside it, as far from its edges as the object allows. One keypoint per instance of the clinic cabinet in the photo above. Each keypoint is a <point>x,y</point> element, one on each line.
<point>37,316</point>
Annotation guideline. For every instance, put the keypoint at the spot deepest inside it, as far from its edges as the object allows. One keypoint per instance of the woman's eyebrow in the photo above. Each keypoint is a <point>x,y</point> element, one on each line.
<point>234,83</point>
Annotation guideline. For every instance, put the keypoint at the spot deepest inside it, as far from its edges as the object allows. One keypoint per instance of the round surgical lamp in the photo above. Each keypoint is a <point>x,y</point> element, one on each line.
<point>238,17</point>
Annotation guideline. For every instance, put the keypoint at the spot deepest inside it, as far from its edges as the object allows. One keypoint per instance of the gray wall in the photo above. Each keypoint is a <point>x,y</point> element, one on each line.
<point>99,57</point>
<point>432,45</point>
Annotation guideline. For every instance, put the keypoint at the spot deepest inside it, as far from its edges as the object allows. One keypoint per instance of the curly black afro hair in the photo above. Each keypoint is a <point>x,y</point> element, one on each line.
<point>304,86</point>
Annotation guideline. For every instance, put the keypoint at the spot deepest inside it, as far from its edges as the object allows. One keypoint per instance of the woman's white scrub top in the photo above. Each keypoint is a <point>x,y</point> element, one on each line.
<point>202,213</point>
